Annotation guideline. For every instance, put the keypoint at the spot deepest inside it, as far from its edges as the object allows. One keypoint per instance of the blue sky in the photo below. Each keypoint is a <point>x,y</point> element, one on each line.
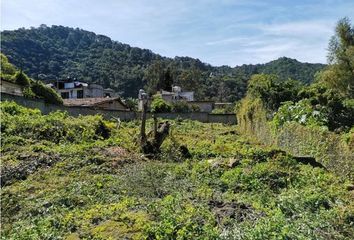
<point>219,32</point>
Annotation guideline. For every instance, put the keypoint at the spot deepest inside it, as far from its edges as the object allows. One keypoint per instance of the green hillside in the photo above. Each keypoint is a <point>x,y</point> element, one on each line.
<point>49,53</point>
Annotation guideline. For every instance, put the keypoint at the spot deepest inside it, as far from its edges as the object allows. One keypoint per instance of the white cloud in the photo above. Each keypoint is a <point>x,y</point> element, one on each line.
<point>299,28</point>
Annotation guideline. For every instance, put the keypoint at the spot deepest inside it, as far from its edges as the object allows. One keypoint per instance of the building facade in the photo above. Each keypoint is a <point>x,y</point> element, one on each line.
<point>75,89</point>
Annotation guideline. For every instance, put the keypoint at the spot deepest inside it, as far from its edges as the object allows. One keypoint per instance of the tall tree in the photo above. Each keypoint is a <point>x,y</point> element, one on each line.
<point>154,76</point>
<point>339,74</point>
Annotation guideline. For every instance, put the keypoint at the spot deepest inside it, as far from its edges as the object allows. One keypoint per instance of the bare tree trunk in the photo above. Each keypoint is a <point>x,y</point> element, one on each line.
<point>160,132</point>
<point>143,125</point>
<point>155,125</point>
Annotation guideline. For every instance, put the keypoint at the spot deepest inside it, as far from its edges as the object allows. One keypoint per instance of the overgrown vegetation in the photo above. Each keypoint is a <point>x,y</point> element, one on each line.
<point>158,105</point>
<point>30,88</point>
<point>307,120</point>
<point>82,178</point>
<point>86,178</point>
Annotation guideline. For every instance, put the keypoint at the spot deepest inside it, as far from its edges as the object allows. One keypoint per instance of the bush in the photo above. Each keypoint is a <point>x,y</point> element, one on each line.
<point>132,103</point>
<point>28,93</point>
<point>181,106</point>
<point>8,70</point>
<point>195,108</point>
<point>272,90</point>
<point>48,94</point>
<point>225,109</point>
<point>22,79</point>
<point>340,110</point>
<point>55,127</point>
<point>158,105</point>
<point>301,112</point>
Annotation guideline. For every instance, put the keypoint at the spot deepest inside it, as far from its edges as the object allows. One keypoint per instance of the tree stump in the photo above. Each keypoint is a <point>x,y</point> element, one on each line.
<point>160,132</point>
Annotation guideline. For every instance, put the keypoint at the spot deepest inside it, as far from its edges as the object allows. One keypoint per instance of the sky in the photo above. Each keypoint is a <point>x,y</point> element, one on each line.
<point>218,32</point>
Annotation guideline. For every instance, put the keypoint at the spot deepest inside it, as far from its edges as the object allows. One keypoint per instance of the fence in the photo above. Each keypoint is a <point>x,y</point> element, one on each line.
<point>328,148</point>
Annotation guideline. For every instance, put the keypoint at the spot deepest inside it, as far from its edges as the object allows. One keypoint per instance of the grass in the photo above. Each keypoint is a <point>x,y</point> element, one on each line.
<point>92,186</point>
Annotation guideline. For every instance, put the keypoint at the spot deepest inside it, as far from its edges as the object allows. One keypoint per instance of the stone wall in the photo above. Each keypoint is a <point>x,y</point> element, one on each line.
<point>74,111</point>
<point>200,116</point>
<point>11,88</point>
<point>123,115</point>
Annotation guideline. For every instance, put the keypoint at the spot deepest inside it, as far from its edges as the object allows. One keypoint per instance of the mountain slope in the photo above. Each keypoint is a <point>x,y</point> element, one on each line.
<point>49,53</point>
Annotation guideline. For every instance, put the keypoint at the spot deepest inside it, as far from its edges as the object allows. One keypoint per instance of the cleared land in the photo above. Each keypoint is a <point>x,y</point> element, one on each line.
<point>84,178</point>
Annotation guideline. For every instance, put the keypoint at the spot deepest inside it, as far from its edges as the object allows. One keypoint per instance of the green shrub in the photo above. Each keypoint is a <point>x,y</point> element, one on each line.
<point>301,112</point>
<point>132,103</point>
<point>7,77</point>
<point>195,108</point>
<point>55,127</point>
<point>28,93</point>
<point>158,105</point>
<point>225,109</point>
<point>6,67</point>
<point>272,90</point>
<point>339,110</point>
<point>48,94</point>
<point>180,106</point>
<point>22,79</point>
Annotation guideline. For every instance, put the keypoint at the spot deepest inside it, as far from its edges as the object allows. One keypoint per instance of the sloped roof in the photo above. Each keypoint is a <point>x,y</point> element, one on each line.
<point>91,102</point>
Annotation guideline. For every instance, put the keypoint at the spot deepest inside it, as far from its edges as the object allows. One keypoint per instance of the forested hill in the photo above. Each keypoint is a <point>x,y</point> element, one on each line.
<point>48,53</point>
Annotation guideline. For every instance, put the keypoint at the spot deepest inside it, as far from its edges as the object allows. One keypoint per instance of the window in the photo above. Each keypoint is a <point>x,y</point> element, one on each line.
<point>80,93</point>
<point>65,95</point>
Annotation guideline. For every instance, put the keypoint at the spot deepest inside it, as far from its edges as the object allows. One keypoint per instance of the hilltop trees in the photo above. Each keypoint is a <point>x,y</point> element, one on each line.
<point>59,52</point>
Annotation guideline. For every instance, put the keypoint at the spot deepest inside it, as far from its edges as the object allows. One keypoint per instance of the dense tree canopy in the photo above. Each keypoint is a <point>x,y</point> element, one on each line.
<point>272,90</point>
<point>49,53</point>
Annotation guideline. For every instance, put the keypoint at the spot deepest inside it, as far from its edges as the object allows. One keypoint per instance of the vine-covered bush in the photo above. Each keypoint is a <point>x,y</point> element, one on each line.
<point>132,103</point>
<point>7,69</point>
<point>48,94</point>
<point>184,107</point>
<point>22,79</point>
<point>28,93</point>
<point>30,88</point>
